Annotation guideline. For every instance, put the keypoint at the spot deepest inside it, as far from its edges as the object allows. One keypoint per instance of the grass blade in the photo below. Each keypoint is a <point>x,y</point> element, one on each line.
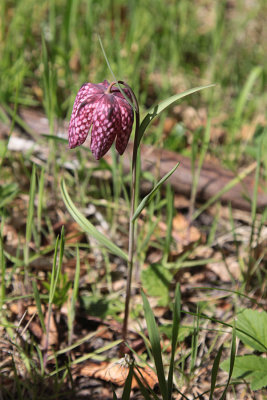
<point>128,384</point>
<point>196,171</point>
<point>40,205</point>
<point>38,305</point>
<point>7,193</point>
<point>30,215</point>
<point>56,269</point>
<point>3,274</point>
<point>225,189</point>
<point>170,215</point>
<point>244,95</point>
<point>253,211</point>
<point>232,362</point>
<point>143,389</point>
<point>155,344</point>
<point>87,226</point>
<point>74,296</point>
<point>114,396</point>
<point>214,371</point>
<point>175,331</point>
<point>194,345</point>
<point>150,195</point>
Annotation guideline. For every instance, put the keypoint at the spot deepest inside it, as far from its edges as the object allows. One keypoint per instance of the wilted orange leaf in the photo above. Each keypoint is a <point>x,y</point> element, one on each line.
<point>117,372</point>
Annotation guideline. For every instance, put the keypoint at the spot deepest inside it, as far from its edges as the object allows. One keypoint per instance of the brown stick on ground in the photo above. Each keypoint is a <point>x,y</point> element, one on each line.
<point>212,179</point>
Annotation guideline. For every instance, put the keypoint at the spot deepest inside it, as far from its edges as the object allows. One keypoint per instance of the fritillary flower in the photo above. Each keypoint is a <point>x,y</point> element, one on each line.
<point>103,108</point>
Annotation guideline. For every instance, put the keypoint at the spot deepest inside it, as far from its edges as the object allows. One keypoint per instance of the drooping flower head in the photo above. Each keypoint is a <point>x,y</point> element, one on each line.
<point>102,107</point>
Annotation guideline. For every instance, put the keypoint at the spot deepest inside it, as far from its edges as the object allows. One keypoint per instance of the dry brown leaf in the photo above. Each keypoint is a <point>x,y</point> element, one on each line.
<point>169,123</point>
<point>104,332</point>
<point>248,130</point>
<point>36,329</point>
<point>10,235</point>
<point>73,233</point>
<point>181,201</point>
<point>182,233</point>
<point>117,373</point>
<point>52,334</point>
<point>225,270</point>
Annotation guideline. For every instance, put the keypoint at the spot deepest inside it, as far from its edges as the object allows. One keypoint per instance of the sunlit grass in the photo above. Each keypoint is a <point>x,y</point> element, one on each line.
<point>48,49</point>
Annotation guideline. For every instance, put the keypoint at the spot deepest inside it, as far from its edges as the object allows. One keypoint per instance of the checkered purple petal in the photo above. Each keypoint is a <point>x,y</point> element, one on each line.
<point>106,125</point>
<point>81,120</point>
<point>127,118</point>
<point>109,114</point>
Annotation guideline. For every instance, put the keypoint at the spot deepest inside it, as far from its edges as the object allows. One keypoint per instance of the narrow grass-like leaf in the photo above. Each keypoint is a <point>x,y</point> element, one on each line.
<point>56,269</point>
<point>214,371</point>
<point>228,291</point>
<point>38,305</point>
<point>254,74</point>
<point>143,389</point>
<point>93,356</point>
<point>175,332</point>
<point>114,395</point>
<point>232,362</point>
<point>158,108</point>
<point>7,193</point>
<point>253,211</point>
<point>196,171</point>
<point>40,204</point>
<point>194,344</point>
<point>61,140</point>
<point>155,344</point>
<point>113,75</point>
<point>170,212</point>
<point>41,359</point>
<point>225,189</point>
<point>87,226</point>
<point>53,284</point>
<point>30,215</point>
<point>49,78</point>
<point>71,315</point>
<point>3,274</point>
<point>128,384</point>
<point>150,195</point>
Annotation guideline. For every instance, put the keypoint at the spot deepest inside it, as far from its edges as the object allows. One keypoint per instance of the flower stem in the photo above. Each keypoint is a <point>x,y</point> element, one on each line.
<point>131,222</point>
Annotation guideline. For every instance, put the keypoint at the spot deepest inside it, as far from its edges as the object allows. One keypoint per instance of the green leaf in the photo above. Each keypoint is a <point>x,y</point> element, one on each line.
<point>38,305</point>
<point>214,371</point>
<point>251,367</point>
<point>87,226</point>
<point>101,307</point>
<point>158,108</point>
<point>175,332</point>
<point>29,224</point>
<point>7,193</point>
<point>244,95</point>
<point>184,331</point>
<point>150,195</point>
<point>156,280</point>
<point>142,387</point>
<point>74,297</point>
<point>231,362</point>
<point>155,344</point>
<point>253,325</point>
<point>128,384</point>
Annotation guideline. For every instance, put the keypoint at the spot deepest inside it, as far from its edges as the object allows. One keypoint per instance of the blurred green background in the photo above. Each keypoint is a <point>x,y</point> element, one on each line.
<point>158,47</point>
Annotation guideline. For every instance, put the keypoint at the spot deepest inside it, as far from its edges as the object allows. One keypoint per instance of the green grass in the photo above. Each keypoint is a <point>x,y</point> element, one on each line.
<point>48,49</point>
